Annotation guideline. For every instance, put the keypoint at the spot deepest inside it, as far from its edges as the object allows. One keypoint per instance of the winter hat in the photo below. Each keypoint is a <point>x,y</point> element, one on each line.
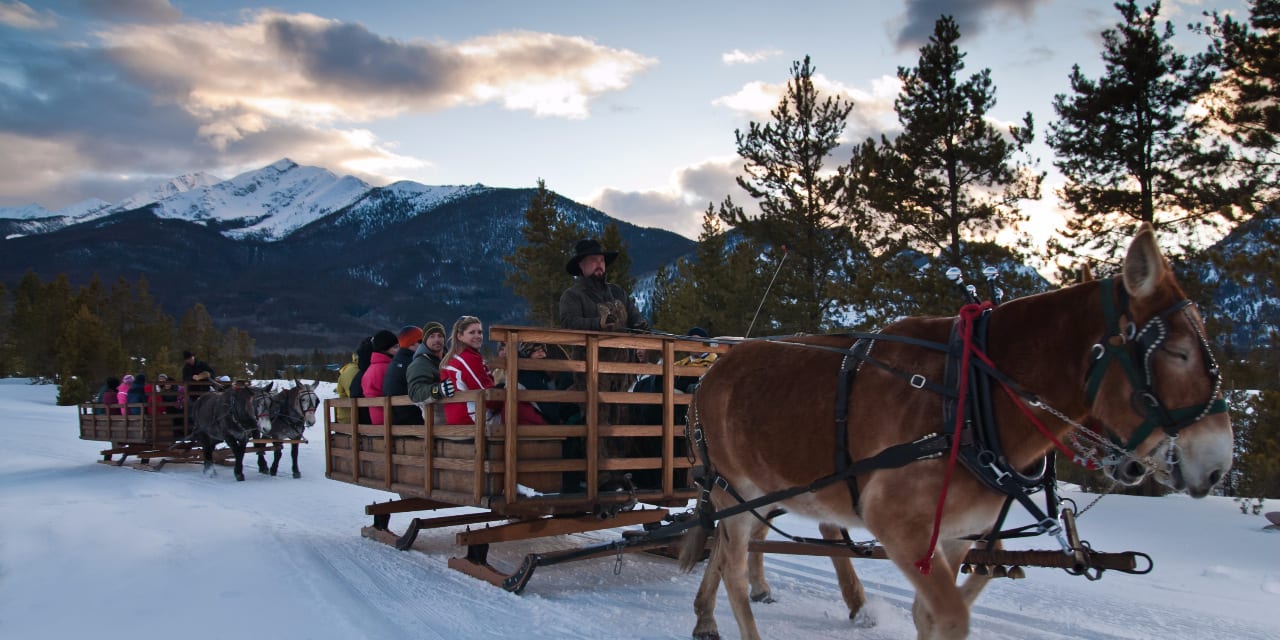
<point>409,335</point>
<point>187,354</point>
<point>383,340</point>
<point>698,332</point>
<point>432,327</point>
<point>127,379</point>
<point>584,248</point>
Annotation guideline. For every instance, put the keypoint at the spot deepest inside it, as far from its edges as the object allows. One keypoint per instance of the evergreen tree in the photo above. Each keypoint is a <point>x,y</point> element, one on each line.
<point>718,289</point>
<point>619,272</point>
<point>6,333</point>
<point>41,312</point>
<point>1242,119</point>
<point>86,354</point>
<point>1123,140</point>
<point>1256,472</point>
<point>800,198</point>
<point>198,335</point>
<point>949,182</point>
<point>535,271</point>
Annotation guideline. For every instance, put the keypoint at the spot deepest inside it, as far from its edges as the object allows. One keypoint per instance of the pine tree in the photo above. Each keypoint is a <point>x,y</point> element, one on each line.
<point>800,198</point>
<point>87,354</point>
<point>198,335</point>
<point>1242,106</point>
<point>619,272</point>
<point>949,182</point>
<point>6,333</point>
<point>1256,471</point>
<point>535,271</point>
<point>1123,140</point>
<point>718,289</point>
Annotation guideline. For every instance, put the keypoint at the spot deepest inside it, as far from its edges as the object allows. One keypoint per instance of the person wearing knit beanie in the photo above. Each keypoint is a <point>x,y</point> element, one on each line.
<point>432,327</point>
<point>383,340</point>
<point>409,337</point>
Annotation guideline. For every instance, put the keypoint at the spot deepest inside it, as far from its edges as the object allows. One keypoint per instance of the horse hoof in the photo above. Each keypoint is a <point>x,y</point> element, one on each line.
<point>765,597</point>
<point>707,635</point>
<point>297,474</point>
<point>273,473</point>
<point>239,477</point>
<point>862,619</point>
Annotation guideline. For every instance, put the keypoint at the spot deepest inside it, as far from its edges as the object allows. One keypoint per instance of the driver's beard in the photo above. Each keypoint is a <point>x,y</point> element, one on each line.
<point>597,280</point>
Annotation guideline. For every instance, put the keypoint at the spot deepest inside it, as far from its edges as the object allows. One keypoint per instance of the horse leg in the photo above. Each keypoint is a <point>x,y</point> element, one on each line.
<point>275,461</point>
<point>293,453</point>
<point>237,449</point>
<point>206,443</point>
<point>760,591</point>
<point>262,462</point>
<point>704,603</point>
<point>939,610</point>
<point>850,586</point>
<point>974,584</point>
<point>734,534</point>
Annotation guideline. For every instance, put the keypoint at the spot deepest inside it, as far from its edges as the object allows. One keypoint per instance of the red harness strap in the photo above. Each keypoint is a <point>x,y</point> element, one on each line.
<point>968,314</point>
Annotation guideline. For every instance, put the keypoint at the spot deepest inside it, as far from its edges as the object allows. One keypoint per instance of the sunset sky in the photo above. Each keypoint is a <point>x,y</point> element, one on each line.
<point>627,106</point>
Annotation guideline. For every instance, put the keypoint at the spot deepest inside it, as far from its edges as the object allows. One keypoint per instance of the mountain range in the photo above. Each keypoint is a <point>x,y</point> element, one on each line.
<point>302,258</point>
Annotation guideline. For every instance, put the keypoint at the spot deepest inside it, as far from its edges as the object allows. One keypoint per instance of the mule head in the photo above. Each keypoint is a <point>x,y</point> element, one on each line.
<point>260,405</point>
<point>306,402</point>
<point>1157,384</point>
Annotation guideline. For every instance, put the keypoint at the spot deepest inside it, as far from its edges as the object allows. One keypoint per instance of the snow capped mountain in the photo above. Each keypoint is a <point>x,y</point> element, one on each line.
<point>265,204</point>
<point>167,189</point>
<point>32,211</point>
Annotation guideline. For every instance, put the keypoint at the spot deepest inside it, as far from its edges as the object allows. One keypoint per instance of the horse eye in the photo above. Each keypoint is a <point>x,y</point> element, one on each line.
<point>1176,354</point>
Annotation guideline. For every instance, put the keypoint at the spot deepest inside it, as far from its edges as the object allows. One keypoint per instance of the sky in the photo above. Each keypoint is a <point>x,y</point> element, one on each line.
<point>96,551</point>
<point>630,107</point>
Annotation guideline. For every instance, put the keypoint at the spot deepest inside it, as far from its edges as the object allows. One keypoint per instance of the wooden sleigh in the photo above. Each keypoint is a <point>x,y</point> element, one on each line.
<point>530,481</point>
<point>158,433</point>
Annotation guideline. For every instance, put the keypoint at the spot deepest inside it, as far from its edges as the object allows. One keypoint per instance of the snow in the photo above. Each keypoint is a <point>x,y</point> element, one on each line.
<point>92,550</point>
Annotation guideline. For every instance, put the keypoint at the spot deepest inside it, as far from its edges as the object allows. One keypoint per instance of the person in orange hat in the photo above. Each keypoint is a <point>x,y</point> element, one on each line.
<point>395,381</point>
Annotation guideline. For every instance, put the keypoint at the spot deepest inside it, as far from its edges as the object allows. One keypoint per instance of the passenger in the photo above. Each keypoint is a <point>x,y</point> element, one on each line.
<point>425,385</point>
<point>364,355</point>
<point>385,345</point>
<point>593,303</point>
<point>193,369</point>
<point>688,383</point>
<point>122,392</point>
<point>465,368</point>
<point>106,394</point>
<point>345,375</point>
<point>167,393</point>
<point>395,381</point>
<point>498,365</point>
<point>137,393</point>
<point>552,412</point>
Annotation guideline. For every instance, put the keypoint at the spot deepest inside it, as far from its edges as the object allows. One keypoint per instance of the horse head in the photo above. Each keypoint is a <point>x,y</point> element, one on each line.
<point>305,402</point>
<point>259,404</point>
<point>1153,384</point>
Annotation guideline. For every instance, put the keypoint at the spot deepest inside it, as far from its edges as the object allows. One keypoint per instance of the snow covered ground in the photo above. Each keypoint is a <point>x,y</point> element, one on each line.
<point>90,550</point>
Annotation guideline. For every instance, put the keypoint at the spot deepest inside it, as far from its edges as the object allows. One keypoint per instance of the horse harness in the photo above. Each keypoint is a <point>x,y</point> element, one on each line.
<point>979,447</point>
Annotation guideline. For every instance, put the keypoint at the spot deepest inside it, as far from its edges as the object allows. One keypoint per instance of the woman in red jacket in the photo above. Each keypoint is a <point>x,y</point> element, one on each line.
<point>464,365</point>
<point>385,346</point>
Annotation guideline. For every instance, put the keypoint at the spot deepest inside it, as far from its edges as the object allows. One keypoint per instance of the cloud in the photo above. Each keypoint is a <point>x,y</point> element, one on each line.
<point>21,16</point>
<point>872,113</point>
<point>158,99</point>
<point>971,15</point>
<point>679,205</point>
<point>133,10</point>
<point>738,56</point>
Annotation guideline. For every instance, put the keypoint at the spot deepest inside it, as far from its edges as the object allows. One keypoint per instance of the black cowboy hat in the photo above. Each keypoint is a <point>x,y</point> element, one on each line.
<point>584,248</point>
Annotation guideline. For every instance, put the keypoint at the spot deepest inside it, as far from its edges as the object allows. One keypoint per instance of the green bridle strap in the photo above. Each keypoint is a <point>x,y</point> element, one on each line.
<point>1114,345</point>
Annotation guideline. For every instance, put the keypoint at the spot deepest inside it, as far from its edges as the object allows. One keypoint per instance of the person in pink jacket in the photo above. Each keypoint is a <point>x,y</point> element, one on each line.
<point>385,346</point>
<point>122,392</point>
<point>465,367</point>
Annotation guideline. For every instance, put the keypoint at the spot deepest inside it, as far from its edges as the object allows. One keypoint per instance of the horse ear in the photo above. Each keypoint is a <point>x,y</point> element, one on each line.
<point>1086,274</point>
<point>271,386</point>
<point>1144,265</point>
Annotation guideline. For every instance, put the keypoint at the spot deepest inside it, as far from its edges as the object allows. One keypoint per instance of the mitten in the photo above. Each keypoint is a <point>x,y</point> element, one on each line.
<point>443,389</point>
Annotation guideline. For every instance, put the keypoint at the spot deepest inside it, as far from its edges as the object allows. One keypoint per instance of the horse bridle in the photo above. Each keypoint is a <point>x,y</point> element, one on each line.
<point>1137,345</point>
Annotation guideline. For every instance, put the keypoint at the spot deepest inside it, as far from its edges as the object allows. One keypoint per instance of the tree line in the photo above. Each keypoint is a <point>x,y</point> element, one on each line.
<point>77,338</point>
<point>1187,143</point>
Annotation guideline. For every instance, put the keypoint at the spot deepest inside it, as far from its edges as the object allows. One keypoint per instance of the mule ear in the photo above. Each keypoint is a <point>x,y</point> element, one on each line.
<point>1144,265</point>
<point>1086,274</point>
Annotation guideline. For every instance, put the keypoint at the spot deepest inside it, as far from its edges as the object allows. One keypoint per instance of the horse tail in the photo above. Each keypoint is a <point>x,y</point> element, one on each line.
<point>695,539</point>
<point>692,546</point>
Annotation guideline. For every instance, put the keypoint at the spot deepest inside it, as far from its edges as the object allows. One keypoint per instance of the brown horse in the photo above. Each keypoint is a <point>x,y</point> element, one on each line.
<point>765,442</point>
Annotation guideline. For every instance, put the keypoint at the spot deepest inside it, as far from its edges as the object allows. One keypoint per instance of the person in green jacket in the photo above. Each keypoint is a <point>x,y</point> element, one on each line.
<point>425,385</point>
<point>345,375</point>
